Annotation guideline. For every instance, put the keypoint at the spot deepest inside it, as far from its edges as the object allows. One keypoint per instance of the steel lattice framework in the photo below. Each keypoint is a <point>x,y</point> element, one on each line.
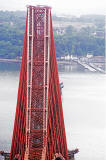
<point>39,132</point>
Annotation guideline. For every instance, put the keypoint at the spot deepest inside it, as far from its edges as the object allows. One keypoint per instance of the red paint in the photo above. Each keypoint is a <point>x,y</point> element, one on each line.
<point>39,131</point>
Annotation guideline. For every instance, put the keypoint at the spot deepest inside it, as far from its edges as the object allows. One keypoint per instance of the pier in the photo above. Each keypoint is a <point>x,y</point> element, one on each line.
<point>90,66</point>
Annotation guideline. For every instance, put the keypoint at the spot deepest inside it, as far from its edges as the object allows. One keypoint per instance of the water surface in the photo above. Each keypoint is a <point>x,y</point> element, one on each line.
<point>83,105</point>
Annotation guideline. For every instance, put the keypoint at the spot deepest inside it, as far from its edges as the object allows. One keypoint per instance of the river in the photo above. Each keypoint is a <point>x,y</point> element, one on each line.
<point>84,108</point>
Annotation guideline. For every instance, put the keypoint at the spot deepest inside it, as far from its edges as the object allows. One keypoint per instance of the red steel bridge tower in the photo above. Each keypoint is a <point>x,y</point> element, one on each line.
<point>39,131</point>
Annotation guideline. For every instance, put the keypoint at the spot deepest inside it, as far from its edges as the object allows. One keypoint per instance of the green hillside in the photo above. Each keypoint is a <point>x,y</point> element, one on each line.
<point>73,35</point>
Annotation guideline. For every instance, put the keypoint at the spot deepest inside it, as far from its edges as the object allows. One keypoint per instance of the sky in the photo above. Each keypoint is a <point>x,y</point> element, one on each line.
<point>71,7</point>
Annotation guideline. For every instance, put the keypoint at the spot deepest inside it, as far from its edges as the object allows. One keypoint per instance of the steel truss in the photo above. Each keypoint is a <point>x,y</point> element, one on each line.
<point>39,132</point>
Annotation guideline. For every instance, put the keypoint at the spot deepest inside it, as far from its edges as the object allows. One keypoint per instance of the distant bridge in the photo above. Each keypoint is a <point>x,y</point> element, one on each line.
<point>91,67</point>
<point>10,60</point>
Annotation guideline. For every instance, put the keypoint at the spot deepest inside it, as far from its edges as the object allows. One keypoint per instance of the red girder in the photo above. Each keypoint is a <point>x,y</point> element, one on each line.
<point>39,131</point>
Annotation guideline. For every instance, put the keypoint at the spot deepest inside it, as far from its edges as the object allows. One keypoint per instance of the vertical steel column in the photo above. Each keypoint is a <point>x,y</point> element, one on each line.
<point>46,76</point>
<point>30,35</point>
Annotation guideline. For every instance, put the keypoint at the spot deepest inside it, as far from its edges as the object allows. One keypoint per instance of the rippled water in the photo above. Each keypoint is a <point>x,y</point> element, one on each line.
<point>84,106</point>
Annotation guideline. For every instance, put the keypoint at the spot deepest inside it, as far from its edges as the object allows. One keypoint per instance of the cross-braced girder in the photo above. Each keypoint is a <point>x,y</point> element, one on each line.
<point>39,131</point>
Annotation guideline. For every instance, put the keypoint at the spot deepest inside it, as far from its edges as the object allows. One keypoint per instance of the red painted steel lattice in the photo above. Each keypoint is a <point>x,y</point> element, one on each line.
<point>39,132</point>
